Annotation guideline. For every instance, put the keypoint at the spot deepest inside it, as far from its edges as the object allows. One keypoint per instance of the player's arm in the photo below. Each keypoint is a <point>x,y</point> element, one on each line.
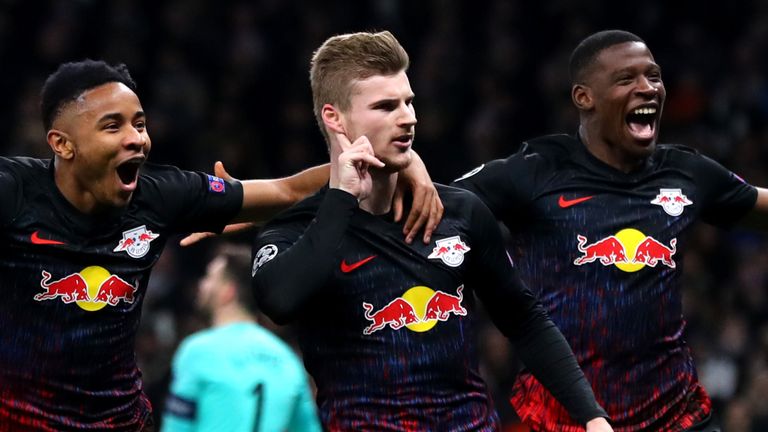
<point>293,261</point>
<point>519,315</point>
<point>304,416</point>
<point>757,218</point>
<point>290,266</point>
<point>262,199</point>
<point>180,411</point>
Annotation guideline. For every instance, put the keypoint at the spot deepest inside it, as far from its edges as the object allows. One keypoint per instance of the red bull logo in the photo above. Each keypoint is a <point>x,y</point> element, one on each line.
<point>92,288</point>
<point>136,241</point>
<point>419,309</point>
<point>629,250</point>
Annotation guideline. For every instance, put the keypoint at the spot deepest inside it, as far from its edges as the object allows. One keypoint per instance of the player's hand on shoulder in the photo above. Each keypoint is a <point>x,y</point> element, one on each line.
<point>426,209</point>
<point>350,171</point>
<point>599,424</point>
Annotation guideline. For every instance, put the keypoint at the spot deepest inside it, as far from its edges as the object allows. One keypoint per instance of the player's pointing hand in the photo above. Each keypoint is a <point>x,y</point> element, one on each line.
<point>349,172</point>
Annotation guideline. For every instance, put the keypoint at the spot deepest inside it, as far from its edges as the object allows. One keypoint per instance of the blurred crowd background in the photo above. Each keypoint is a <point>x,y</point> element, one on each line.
<point>229,81</point>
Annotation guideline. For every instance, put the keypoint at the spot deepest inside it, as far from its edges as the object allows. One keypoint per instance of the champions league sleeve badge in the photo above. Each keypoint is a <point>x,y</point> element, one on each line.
<point>672,201</point>
<point>216,184</point>
<point>450,250</point>
<point>136,241</point>
<point>265,254</point>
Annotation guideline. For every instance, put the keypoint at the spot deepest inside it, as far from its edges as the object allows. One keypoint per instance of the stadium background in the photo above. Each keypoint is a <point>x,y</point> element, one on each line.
<point>228,80</point>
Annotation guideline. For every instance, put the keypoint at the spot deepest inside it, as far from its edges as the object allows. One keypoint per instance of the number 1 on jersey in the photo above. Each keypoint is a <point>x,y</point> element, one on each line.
<point>259,392</point>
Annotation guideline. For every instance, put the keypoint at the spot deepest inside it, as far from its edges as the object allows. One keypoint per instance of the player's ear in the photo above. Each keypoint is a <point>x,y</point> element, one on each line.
<point>332,118</point>
<point>229,293</point>
<point>582,97</point>
<point>61,144</point>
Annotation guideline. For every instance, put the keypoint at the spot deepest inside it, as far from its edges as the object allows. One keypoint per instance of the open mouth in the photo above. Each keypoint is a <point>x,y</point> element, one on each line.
<point>404,139</point>
<point>128,171</point>
<point>642,122</point>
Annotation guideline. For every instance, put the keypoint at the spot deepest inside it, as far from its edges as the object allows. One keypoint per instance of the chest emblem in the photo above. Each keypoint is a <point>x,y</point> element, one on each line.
<point>136,241</point>
<point>419,309</point>
<point>92,288</point>
<point>629,249</point>
<point>450,250</point>
<point>672,201</point>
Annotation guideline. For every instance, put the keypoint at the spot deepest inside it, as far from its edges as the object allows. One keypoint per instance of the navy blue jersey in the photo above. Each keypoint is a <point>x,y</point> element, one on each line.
<point>602,250</point>
<point>72,288</point>
<point>386,328</point>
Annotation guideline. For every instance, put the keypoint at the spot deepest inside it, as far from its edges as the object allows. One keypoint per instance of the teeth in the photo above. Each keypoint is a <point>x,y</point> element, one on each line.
<point>644,111</point>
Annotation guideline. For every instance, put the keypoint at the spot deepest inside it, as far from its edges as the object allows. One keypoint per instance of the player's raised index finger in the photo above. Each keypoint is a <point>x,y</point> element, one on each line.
<point>343,141</point>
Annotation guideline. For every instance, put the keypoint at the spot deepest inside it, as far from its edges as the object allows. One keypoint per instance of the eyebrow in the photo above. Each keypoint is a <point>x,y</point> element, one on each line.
<point>390,100</point>
<point>118,116</point>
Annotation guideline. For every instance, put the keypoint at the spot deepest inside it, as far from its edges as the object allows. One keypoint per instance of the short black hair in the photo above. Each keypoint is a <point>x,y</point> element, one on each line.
<point>588,49</point>
<point>72,79</point>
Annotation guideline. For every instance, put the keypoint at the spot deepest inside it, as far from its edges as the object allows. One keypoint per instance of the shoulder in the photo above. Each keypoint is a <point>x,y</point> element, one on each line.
<point>271,342</point>
<point>682,157</point>
<point>154,173</point>
<point>457,200</point>
<point>270,346</point>
<point>21,166</point>
<point>555,144</point>
<point>676,151</point>
<point>198,343</point>
<point>533,154</point>
<point>22,178</point>
<point>454,195</point>
<point>550,147</point>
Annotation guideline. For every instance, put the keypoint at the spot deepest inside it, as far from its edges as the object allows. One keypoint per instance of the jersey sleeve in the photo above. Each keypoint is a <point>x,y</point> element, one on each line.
<point>304,416</point>
<point>519,315</point>
<point>195,201</point>
<point>726,197</point>
<point>504,185</point>
<point>180,412</point>
<point>292,261</point>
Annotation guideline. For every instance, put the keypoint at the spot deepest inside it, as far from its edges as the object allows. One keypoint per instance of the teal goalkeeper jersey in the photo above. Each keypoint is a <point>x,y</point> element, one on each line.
<point>238,377</point>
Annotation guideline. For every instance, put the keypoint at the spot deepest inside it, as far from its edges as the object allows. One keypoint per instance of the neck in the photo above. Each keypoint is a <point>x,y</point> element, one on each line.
<point>78,195</point>
<point>67,184</point>
<point>229,314</point>
<point>607,152</point>
<point>380,200</point>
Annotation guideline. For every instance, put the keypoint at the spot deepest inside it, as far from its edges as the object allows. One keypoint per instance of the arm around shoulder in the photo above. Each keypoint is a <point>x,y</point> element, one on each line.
<point>263,199</point>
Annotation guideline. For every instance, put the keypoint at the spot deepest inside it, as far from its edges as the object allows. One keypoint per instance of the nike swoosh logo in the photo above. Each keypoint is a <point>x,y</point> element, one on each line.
<point>346,268</point>
<point>35,239</point>
<point>564,203</point>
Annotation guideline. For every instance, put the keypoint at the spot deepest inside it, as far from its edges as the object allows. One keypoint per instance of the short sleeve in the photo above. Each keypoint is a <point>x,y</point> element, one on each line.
<point>193,201</point>
<point>726,197</point>
<point>180,411</point>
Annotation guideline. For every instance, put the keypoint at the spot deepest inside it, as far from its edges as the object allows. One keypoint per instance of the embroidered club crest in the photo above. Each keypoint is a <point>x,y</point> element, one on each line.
<point>450,250</point>
<point>136,241</point>
<point>672,201</point>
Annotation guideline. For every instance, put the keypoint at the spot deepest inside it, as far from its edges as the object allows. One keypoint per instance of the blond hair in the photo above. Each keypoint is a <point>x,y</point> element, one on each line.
<point>342,59</point>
